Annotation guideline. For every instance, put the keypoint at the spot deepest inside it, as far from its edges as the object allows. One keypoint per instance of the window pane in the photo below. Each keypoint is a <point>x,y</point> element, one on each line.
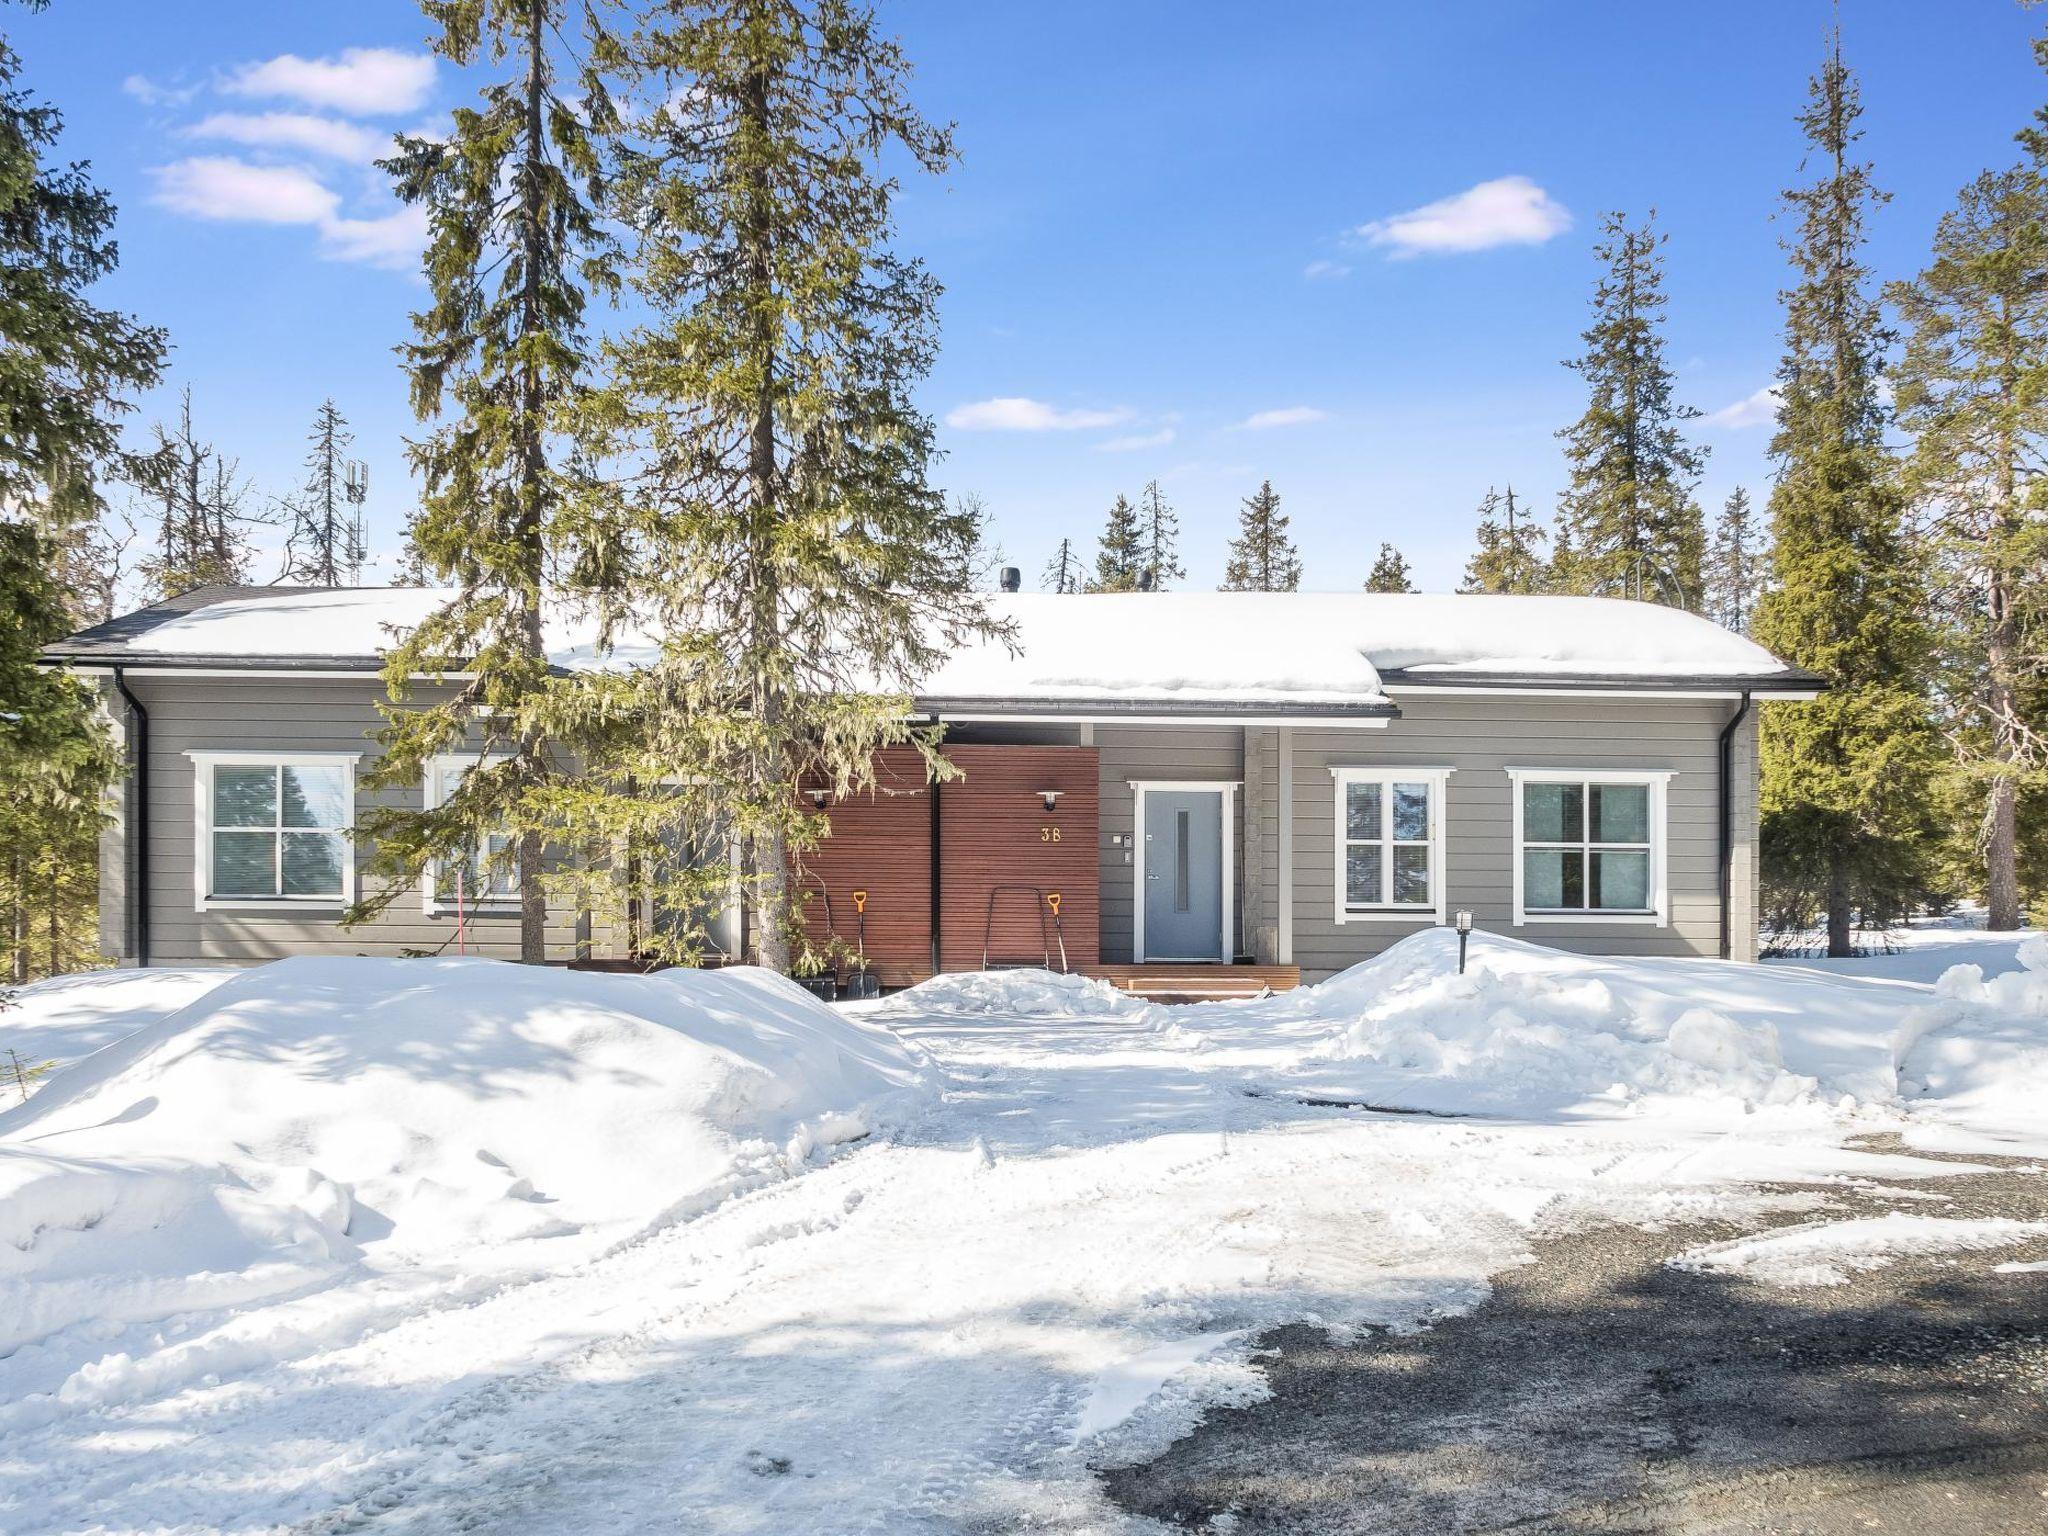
<point>1621,880</point>
<point>1411,812</point>
<point>315,797</point>
<point>503,873</point>
<point>243,863</point>
<point>1362,877</point>
<point>1552,813</point>
<point>312,863</point>
<point>1362,812</point>
<point>1411,876</point>
<point>245,797</point>
<point>1621,813</point>
<point>1552,878</point>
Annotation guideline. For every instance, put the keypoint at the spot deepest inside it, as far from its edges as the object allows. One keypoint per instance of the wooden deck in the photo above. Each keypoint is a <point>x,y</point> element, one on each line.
<point>1183,982</point>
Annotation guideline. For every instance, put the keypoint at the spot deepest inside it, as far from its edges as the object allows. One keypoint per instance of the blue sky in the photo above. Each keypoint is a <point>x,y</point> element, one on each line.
<point>1172,247</point>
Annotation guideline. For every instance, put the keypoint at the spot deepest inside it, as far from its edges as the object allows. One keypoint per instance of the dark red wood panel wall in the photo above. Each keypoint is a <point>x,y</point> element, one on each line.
<point>994,831</point>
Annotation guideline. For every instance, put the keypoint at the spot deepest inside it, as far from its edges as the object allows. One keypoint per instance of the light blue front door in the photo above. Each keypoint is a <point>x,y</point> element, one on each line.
<point>1183,875</point>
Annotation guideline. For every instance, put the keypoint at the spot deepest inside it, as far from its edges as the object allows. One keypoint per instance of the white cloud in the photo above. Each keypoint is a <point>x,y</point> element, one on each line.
<point>363,82</point>
<point>1757,410</point>
<point>295,130</point>
<point>1325,269</point>
<point>150,94</point>
<point>218,187</point>
<point>1511,210</point>
<point>1014,413</point>
<point>1286,416</point>
<point>1136,441</point>
<point>233,191</point>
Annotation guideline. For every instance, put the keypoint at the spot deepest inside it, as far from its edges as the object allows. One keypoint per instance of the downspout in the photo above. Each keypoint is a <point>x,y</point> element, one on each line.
<point>1727,859</point>
<point>138,815</point>
<point>936,901</point>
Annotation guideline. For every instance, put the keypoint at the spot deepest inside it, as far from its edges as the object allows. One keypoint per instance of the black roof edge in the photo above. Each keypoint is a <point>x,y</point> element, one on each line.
<point>63,654</point>
<point>1791,680</point>
<point>1376,709</point>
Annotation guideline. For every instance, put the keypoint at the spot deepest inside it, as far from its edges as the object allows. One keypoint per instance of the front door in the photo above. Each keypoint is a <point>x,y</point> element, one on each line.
<point>1183,875</point>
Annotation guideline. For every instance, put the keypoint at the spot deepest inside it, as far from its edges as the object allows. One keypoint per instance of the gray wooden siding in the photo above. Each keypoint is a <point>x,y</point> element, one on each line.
<point>279,715</point>
<point>1481,737</point>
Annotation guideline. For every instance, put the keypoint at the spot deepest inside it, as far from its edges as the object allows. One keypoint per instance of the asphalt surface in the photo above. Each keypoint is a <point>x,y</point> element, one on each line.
<point>1598,1390</point>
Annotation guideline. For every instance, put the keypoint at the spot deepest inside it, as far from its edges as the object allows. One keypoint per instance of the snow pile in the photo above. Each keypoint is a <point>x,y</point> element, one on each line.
<point>1521,1031</point>
<point>1829,1252</point>
<point>1028,992</point>
<point>316,1113</point>
<point>1977,1056</point>
<point>68,1017</point>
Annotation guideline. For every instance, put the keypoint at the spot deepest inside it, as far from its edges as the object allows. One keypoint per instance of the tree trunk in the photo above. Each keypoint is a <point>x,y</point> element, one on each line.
<point>533,901</point>
<point>1840,945</point>
<point>19,966</point>
<point>2002,882</point>
<point>56,921</point>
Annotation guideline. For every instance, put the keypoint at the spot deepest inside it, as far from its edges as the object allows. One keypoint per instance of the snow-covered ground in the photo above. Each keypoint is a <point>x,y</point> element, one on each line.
<point>451,1245</point>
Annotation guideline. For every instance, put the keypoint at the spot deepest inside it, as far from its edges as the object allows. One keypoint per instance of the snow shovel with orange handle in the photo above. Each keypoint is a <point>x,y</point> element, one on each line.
<point>863,983</point>
<point>1052,900</point>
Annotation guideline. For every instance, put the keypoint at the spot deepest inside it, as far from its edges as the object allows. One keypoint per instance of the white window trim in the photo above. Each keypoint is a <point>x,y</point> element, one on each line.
<point>430,904</point>
<point>1343,775</point>
<point>203,764</point>
<point>1227,789</point>
<point>1658,781</point>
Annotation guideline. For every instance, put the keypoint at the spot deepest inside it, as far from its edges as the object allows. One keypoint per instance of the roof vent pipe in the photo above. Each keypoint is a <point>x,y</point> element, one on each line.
<point>1012,579</point>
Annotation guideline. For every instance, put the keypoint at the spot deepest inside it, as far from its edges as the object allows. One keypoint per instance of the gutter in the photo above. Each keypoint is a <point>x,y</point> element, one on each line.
<point>138,816</point>
<point>1725,863</point>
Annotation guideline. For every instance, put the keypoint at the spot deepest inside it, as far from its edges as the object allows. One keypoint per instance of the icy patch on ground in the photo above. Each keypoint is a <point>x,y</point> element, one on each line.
<point>1829,1252</point>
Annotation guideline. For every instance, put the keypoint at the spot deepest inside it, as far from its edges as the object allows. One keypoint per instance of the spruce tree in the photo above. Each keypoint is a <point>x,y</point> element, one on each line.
<point>499,358</point>
<point>1262,556</point>
<point>1972,389</point>
<point>1120,553</point>
<point>71,370</point>
<point>1389,572</point>
<point>1063,570</point>
<point>1510,553</point>
<point>1159,538</point>
<point>1848,779</point>
<point>1735,565</point>
<point>1628,517</point>
<point>324,546</point>
<point>784,542</point>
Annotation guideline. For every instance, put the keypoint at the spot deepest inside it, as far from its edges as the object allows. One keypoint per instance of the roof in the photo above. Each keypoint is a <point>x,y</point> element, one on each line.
<point>1221,653</point>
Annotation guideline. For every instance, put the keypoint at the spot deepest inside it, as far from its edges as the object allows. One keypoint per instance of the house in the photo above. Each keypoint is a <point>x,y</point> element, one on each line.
<point>1282,780</point>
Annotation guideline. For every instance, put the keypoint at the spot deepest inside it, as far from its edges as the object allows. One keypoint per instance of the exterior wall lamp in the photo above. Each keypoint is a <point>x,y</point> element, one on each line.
<point>819,797</point>
<point>1051,797</point>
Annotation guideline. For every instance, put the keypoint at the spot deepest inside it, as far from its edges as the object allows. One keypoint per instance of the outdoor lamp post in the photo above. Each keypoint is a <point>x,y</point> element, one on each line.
<point>1464,922</point>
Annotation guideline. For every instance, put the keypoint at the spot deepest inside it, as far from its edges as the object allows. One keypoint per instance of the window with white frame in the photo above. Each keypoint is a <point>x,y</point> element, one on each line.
<point>1389,840</point>
<point>274,829</point>
<point>1589,845</point>
<point>481,875</point>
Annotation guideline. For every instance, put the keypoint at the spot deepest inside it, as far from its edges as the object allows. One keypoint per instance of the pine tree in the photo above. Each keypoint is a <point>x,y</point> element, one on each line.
<point>71,368</point>
<point>1159,538</point>
<point>1262,556</point>
<point>1735,565</point>
<point>1628,516</point>
<point>1510,553</point>
<point>204,508</point>
<point>1972,389</point>
<point>517,247</point>
<point>1389,572</point>
<point>1120,553</point>
<point>1062,571</point>
<point>1847,784</point>
<point>325,544</point>
<point>784,543</point>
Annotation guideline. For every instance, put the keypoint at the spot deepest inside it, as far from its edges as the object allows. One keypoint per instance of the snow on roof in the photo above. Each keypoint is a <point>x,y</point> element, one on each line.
<point>1329,648</point>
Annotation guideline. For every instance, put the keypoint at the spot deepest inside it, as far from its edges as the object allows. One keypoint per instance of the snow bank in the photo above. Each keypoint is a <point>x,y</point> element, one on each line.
<point>318,1113</point>
<point>1030,993</point>
<point>1531,1030</point>
<point>68,1017</point>
<point>1829,1252</point>
<point>1976,1058</point>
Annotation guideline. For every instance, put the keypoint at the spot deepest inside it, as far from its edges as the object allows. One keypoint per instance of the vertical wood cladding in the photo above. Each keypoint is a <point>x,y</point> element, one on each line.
<point>994,832</point>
